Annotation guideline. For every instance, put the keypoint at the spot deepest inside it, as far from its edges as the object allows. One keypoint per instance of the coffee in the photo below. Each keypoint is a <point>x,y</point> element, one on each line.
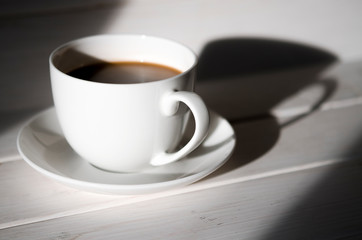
<point>124,72</point>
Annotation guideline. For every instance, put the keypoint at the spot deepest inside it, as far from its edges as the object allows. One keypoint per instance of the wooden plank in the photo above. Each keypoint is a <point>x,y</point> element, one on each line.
<point>27,195</point>
<point>320,203</point>
<point>267,144</point>
<point>263,150</point>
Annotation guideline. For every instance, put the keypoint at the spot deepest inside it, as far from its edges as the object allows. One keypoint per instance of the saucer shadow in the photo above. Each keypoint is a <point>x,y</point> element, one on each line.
<point>254,138</point>
<point>244,79</point>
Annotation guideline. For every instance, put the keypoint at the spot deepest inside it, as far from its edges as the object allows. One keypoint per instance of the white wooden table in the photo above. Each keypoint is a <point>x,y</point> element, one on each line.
<point>286,74</point>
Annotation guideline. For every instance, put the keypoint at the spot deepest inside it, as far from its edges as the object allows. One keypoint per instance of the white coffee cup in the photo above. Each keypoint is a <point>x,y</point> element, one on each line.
<point>127,127</point>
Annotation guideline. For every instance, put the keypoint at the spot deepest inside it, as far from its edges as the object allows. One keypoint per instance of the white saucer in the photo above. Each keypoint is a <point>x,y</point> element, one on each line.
<point>43,146</point>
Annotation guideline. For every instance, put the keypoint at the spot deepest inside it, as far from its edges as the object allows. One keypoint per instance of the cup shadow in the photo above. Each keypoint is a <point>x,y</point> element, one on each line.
<point>244,79</point>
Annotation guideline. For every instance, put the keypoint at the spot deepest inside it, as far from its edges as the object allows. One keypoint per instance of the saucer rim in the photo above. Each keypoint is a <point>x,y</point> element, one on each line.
<point>133,189</point>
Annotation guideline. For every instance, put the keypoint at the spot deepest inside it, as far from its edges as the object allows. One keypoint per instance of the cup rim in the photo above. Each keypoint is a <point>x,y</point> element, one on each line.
<point>189,69</point>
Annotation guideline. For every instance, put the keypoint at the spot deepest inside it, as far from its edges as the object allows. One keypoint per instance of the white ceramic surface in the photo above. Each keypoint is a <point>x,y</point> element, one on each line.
<point>105,123</point>
<point>43,146</point>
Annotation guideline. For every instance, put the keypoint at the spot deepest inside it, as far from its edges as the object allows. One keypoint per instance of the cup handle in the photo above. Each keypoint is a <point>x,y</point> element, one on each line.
<point>169,106</point>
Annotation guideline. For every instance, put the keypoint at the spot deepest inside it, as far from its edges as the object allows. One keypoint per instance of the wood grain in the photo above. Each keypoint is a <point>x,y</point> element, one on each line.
<point>307,204</point>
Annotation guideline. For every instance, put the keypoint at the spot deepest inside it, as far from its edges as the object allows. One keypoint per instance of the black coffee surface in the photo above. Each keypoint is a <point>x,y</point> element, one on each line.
<point>124,72</point>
